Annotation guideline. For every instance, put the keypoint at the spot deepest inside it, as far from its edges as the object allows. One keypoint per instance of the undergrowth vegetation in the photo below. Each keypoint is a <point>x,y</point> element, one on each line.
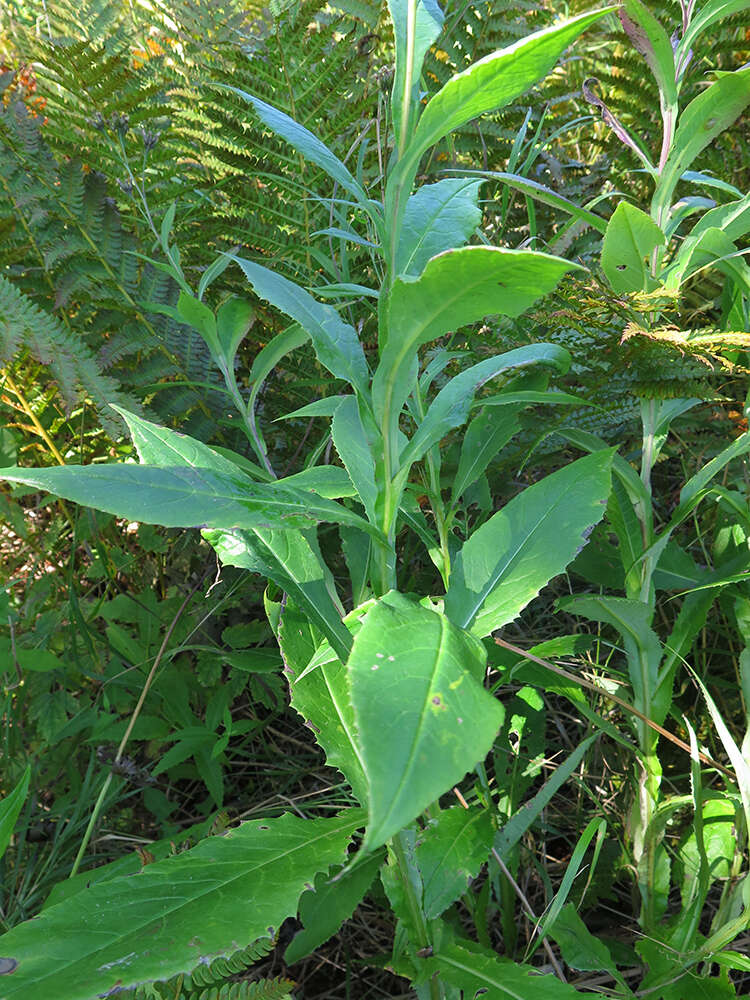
<point>375,616</point>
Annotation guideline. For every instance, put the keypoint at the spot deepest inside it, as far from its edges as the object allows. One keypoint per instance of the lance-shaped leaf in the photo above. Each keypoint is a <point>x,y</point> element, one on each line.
<point>491,83</point>
<point>301,139</point>
<point>437,218</point>
<point>288,559</point>
<point>733,219</point>
<point>182,497</point>
<point>425,28</point>
<point>324,908</point>
<point>175,914</point>
<point>480,972</point>
<point>450,851</point>
<point>456,288</point>
<point>706,117</point>
<point>423,718</point>
<point>706,15</point>
<point>351,443</point>
<point>319,691</point>
<point>652,41</point>
<point>631,238</point>
<point>335,342</point>
<point>632,619</point>
<point>10,807</point>
<point>507,561</point>
<point>486,435</point>
<point>452,405</point>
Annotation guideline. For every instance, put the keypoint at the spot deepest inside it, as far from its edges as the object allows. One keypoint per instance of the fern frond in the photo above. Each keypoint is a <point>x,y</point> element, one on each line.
<point>73,366</point>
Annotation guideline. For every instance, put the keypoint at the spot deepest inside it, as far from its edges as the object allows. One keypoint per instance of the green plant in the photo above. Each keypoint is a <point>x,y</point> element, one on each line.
<point>393,687</point>
<point>647,259</point>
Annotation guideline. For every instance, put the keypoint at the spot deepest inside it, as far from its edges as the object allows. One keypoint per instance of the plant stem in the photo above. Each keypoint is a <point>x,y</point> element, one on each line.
<point>415,907</point>
<point>411,31</point>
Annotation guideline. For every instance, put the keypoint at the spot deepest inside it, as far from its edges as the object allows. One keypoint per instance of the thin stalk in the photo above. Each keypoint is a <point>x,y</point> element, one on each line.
<point>415,908</point>
<point>590,686</point>
<point>133,719</point>
<point>436,502</point>
<point>411,31</point>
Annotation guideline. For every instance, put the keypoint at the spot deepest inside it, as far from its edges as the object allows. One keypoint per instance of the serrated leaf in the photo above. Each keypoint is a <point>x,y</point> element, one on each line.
<point>336,343</point>
<point>210,901</point>
<point>507,561</point>
<point>322,697</point>
<point>323,909</point>
<point>423,718</point>
<point>438,217</point>
<point>479,972</point>
<point>182,497</point>
<point>456,288</point>
<point>450,851</point>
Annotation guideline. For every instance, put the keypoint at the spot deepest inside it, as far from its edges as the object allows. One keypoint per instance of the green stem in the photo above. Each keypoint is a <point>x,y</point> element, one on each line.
<point>424,939</point>
<point>411,31</point>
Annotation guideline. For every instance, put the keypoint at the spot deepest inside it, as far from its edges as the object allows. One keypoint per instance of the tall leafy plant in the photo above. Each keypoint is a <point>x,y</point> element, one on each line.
<point>391,683</point>
<point>647,259</point>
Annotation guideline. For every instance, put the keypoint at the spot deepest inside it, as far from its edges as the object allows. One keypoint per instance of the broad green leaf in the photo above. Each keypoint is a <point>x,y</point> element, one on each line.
<point>450,851</point>
<point>165,448</point>
<point>632,619</point>
<point>719,844</point>
<point>580,949</point>
<point>333,899</point>
<point>456,288</point>
<point>307,144</point>
<point>479,972</point>
<point>492,83</point>
<point>195,313</point>
<point>710,248</point>
<point>668,978</point>
<point>322,697</point>
<point>631,238</point>
<point>233,320</point>
<point>507,561</point>
<point>36,660</point>
<point>485,437</point>
<point>330,481</point>
<point>452,405</point>
<point>423,718</point>
<point>182,497</point>
<point>706,117</point>
<point>206,902</point>
<point>732,219</point>
<point>520,821</point>
<point>439,217</point>
<point>652,41</point>
<point>287,558</point>
<point>412,42</point>
<point>351,443</point>
<point>10,807</point>
<point>336,344</point>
